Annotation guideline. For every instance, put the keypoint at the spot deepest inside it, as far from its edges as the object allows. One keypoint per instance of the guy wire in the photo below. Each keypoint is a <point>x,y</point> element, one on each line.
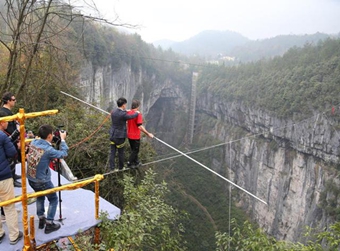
<point>212,171</point>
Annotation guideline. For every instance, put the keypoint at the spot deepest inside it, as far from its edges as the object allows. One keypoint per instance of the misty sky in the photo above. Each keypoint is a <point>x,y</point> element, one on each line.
<point>181,19</point>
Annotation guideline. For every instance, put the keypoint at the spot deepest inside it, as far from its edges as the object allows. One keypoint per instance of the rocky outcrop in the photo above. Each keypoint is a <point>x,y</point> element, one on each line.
<point>314,135</point>
<point>285,162</point>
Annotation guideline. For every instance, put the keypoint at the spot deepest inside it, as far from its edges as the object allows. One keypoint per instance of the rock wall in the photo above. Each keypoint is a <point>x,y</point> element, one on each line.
<point>285,162</point>
<point>103,86</point>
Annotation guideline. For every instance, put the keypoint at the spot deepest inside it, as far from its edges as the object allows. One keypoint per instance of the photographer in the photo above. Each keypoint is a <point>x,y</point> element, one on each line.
<point>40,154</point>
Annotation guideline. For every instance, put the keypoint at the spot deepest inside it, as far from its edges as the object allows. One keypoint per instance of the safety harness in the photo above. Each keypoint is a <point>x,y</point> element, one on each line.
<point>118,146</point>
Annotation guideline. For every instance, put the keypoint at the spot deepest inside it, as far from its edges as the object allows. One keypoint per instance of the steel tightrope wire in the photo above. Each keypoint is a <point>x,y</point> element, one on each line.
<point>186,154</point>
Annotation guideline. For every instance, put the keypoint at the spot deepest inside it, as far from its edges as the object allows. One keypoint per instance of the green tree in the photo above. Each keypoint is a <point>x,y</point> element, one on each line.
<point>146,222</point>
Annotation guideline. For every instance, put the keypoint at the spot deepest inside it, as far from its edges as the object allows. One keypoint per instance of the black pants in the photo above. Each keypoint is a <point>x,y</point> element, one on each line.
<point>13,169</point>
<point>118,145</point>
<point>134,144</point>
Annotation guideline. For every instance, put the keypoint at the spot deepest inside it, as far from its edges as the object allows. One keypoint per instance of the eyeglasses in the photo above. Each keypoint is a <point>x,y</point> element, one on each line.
<point>13,99</point>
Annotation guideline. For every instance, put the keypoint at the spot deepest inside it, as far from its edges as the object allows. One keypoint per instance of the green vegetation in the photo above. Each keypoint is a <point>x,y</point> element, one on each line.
<point>302,81</point>
<point>271,47</point>
<point>147,222</point>
<point>201,194</point>
<point>249,238</point>
<point>329,199</point>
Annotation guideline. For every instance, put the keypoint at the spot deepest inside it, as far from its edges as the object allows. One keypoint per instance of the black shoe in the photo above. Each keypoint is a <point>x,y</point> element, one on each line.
<point>17,177</point>
<point>17,184</point>
<point>130,165</point>
<point>51,227</point>
<point>2,237</point>
<point>17,239</point>
<point>42,222</point>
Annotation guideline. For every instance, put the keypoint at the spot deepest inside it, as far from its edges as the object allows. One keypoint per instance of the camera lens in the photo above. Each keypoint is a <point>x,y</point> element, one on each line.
<point>15,135</point>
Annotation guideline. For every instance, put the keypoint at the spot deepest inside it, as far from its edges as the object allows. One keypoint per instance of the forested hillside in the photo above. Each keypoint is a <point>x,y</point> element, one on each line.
<point>301,81</point>
<point>276,46</point>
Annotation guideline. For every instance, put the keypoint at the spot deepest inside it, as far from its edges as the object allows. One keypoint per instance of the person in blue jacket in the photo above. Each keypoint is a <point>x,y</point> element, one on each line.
<point>7,151</point>
<point>40,153</point>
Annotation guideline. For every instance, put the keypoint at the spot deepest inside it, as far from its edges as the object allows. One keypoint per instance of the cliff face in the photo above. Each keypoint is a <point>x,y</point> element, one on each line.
<point>164,104</point>
<point>287,163</point>
<point>103,86</point>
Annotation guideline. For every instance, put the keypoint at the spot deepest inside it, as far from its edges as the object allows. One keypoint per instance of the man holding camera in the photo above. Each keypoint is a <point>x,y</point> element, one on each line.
<point>40,154</point>
<point>9,101</point>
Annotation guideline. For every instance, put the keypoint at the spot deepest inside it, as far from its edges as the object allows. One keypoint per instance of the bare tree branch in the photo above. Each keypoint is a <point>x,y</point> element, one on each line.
<point>30,27</point>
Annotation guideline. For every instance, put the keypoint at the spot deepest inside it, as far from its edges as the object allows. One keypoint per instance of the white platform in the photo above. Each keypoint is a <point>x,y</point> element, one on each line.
<point>78,212</point>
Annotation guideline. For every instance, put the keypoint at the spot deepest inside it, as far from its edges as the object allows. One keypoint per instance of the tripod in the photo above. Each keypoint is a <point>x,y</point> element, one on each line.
<point>58,167</point>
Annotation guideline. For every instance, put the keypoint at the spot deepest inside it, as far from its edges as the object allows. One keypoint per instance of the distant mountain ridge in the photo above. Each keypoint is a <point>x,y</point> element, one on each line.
<point>164,43</point>
<point>207,43</point>
<point>276,46</point>
<point>215,45</point>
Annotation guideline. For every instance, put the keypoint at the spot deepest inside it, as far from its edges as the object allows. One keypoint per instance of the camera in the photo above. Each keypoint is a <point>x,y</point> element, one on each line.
<point>56,136</point>
<point>14,136</point>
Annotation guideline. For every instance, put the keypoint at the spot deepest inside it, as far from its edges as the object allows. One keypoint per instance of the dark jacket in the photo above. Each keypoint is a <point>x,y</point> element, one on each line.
<point>118,127</point>
<point>7,150</point>
<point>11,124</point>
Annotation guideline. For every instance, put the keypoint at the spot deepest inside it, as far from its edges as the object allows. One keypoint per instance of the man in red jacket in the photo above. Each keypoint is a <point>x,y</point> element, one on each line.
<point>135,126</point>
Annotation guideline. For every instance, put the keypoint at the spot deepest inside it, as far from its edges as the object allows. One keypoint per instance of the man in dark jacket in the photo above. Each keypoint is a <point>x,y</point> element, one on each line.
<point>7,150</point>
<point>119,117</point>
<point>9,101</point>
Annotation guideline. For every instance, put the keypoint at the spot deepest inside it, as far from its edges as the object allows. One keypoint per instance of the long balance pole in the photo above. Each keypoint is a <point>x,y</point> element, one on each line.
<point>210,170</point>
